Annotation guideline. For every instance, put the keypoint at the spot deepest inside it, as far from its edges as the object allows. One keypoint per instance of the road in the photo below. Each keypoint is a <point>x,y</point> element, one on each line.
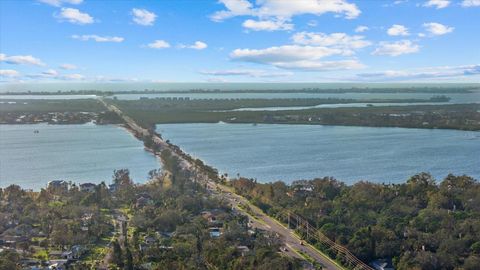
<point>118,235</point>
<point>263,221</point>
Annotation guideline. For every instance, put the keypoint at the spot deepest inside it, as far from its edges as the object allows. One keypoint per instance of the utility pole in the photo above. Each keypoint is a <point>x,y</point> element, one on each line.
<point>307,232</point>
<point>288,220</point>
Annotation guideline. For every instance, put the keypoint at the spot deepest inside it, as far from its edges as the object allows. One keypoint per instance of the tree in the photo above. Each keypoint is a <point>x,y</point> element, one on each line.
<point>471,263</point>
<point>129,259</point>
<point>117,258</point>
<point>122,177</point>
<point>9,260</point>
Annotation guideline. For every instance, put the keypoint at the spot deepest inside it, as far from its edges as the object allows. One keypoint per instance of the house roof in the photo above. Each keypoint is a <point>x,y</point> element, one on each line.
<point>88,185</point>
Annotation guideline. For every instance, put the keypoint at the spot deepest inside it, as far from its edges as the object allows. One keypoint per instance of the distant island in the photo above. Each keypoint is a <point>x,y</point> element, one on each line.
<point>149,112</point>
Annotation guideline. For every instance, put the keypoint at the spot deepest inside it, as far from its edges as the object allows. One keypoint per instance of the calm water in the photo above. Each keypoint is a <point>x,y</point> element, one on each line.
<point>289,152</point>
<point>61,97</point>
<point>80,153</point>
<point>337,105</point>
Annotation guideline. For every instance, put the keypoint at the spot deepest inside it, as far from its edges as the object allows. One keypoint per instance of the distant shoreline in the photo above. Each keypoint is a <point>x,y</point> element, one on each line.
<point>393,90</point>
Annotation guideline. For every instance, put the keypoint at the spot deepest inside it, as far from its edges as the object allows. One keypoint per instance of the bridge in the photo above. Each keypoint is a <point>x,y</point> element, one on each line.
<point>293,228</point>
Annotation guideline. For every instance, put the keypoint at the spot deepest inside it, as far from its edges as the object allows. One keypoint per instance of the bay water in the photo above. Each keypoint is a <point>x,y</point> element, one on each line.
<point>270,152</point>
<point>78,153</point>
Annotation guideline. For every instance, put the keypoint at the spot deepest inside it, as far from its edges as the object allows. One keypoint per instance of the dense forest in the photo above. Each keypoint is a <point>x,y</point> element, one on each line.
<point>420,224</point>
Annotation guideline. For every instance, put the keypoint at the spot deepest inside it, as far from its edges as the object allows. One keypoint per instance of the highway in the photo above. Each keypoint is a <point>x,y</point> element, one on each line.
<point>292,242</point>
<point>262,221</point>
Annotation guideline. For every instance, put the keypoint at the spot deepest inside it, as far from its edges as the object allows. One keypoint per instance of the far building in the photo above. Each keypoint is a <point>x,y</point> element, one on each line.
<point>87,187</point>
<point>58,185</point>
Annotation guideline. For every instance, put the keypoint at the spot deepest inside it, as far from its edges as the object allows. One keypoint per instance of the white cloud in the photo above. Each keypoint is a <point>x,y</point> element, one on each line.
<point>308,65</point>
<point>286,53</point>
<point>361,29</point>
<point>21,60</point>
<point>68,66</point>
<point>10,73</point>
<point>47,74</point>
<point>143,16</point>
<point>217,80</point>
<point>98,38</point>
<point>58,3</point>
<point>198,45</point>
<point>335,40</point>
<point>396,48</point>
<point>308,52</point>
<point>283,11</point>
<point>255,73</point>
<point>101,78</point>
<point>423,73</point>
<point>437,3</point>
<point>50,73</point>
<point>471,3</point>
<point>159,44</point>
<point>398,30</point>
<point>75,16</point>
<point>437,29</point>
<point>295,57</point>
<point>267,25</point>
<point>234,8</point>
<point>73,77</point>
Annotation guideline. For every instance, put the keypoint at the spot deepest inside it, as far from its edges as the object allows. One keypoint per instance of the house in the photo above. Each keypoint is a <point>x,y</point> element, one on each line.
<point>29,263</point>
<point>209,216</point>
<point>113,187</point>
<point>58,264</point>
<point>87,187</point>
<point>165,247</point>
<point>58,185</point>
<point>215,232</point>
<point>166,234</point>
<point>243,250</point>
<point>150,240</point>
<point>213,216</point>
<point>74,253</point>
<point>77,251</point>
<point>143,201</point>
<point>382,264</point>
<point>302,186</point>
<point>68,255</point>
<point>12,241</point>
<point>55,254</point>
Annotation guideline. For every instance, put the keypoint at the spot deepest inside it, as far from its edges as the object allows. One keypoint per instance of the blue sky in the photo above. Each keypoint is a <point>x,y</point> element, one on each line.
<point>240,41</point>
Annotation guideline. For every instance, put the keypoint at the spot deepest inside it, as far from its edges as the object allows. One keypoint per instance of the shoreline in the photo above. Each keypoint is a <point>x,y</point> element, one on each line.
<point>365,88</point>
<point>174,148</point>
